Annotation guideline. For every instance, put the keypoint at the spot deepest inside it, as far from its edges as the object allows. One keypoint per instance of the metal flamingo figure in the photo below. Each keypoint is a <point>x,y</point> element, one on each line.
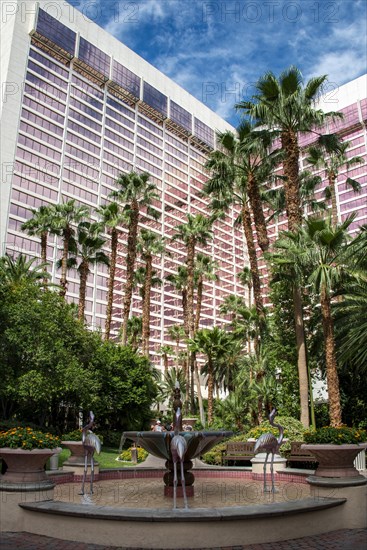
<point>91,443</point>
<point>269,444</point>
<point>178,451</point>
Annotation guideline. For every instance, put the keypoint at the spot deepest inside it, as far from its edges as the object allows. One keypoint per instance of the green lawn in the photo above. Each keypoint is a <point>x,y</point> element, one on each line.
<point>106,458</point>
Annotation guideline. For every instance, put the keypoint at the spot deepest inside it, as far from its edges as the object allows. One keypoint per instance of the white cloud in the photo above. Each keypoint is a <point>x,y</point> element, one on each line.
<point>340,67</point>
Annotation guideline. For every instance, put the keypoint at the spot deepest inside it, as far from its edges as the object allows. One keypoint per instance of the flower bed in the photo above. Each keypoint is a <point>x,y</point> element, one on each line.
<point>28,439</point>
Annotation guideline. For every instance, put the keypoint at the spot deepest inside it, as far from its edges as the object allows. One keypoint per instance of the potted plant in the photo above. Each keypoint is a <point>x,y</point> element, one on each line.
<point>335,449</point>
<point>25,452</point>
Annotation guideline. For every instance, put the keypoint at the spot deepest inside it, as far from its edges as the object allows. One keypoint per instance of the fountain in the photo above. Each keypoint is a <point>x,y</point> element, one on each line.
<point>253,517</point>
<point>159,445</point>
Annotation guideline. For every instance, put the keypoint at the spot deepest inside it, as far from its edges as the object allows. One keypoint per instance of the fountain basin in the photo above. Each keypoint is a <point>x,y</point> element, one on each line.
<point>159,445</point>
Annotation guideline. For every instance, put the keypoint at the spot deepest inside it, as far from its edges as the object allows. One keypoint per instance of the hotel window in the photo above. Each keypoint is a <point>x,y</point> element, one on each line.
<point>94,57</point>
<point>154,98</point>
<point>45,124</point>
<point>56,32</point>
<point>126,79</point>
<point>150,126</point>
<point>41,87</point>
<point>204,132</point>
<point>48,63</point>
<point>180,116</point>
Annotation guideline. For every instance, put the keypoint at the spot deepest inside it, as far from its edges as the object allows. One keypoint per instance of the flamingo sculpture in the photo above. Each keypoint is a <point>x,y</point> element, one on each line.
<point>91,443</point>
<point>269,444</point>
<point>178,451</point>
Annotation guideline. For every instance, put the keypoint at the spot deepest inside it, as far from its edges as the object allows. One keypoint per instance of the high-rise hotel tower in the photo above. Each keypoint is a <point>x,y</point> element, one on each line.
<point>79,108</point>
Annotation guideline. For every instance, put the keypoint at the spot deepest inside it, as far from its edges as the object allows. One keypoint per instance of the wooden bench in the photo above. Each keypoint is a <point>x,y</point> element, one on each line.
<point>238,451</point>
<point>300,455</point>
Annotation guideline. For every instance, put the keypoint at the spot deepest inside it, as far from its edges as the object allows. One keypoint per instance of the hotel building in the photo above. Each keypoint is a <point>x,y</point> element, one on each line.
<point>78,108</point>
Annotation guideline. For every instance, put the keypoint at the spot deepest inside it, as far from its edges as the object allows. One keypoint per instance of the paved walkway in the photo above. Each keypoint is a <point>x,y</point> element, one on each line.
<point>345,539</point>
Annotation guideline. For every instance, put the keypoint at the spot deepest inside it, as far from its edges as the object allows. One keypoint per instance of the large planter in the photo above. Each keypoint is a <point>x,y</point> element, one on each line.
<point>76,449</point>
<point>335,461</point>
<point>25,466</point>
<point>75,462</point>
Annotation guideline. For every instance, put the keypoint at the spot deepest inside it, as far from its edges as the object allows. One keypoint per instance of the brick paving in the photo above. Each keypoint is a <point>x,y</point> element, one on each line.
<point>345,539</point>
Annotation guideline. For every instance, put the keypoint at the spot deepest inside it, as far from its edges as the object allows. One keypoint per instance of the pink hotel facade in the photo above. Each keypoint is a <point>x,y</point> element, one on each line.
<point>79,107</point>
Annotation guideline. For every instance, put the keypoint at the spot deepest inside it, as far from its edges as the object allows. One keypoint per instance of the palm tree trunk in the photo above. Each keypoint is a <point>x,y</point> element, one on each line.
<point>291,183</point>
<point>334,206</point>
<point>44,247</point>
<point>246,222</point>
<point>331,364</point>
<point>146,306</point>
<point>302,359</point>
<point>190,309</point>
<point>165,361</point>
<point>198,389</point>
<point>258,213</point>
<point>210,392</point>
<point>293,207</point>
<point>84,270</point>
<point>64,262</point>
<point>195,374</point>
<point>130,265</point>
<point>111,282</point>
<point>190,285</point>
<point>199,300</point>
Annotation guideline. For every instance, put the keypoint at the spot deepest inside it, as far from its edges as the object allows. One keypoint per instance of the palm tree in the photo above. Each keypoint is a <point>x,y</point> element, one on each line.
<point>176,333</point>
<point>246,280</point>
<point>285,106</point>
<point>148,245</point>
<point>215,344</point>
<point>167,386</point>
<point>321,247</point>
<point>134,330</point>
<point>350,317</point>
<point>232,304</point>
<point>205,268</point>
<point>165,351</point>
<point>351,323</point>
<point>227,186</point>
<point>15,272</point>
<point>40,225</point>
<point>112,218</point>
<point>248,326</point>
<point>135,193</point>
<point>197,230</point>
<point>179,281</point>
<point>89,245</point>
<point>330,153</point>
<point>67,214</point>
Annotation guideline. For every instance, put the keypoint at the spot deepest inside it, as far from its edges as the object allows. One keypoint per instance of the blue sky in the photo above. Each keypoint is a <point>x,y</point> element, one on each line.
<point>217,49</point>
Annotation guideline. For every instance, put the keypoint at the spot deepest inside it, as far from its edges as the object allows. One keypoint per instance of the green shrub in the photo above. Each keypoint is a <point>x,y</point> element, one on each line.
<point>293,431</point>
<point>76,435</point>
<point>125,456</point>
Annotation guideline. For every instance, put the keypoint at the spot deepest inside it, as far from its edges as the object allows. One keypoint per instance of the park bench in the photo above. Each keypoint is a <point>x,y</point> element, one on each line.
<point>298,455</point>
<point>238,451</point>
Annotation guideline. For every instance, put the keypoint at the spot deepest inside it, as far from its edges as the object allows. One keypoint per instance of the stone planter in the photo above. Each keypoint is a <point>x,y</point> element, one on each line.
<point>25,466</point>
<point>75,462</point>
<point>335,461</point>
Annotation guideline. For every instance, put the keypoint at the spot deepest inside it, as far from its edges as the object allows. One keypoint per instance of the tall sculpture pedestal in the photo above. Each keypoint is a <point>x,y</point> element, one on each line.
<point>258,462</point>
